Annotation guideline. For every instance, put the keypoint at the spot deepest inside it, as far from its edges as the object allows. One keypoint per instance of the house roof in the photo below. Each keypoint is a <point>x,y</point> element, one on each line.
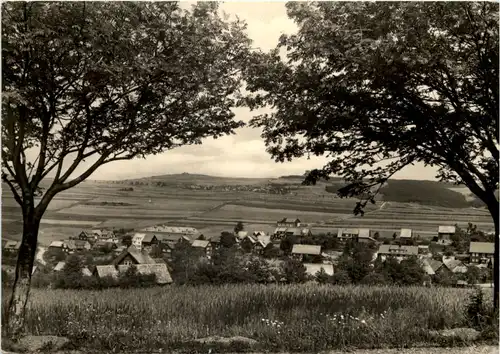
<point>398,250</point>
<point>34,270</point>
<point>455,266</point>
<point>159,269</point>
<point>140,257</point>
<point>13,244</point>
<point>58,244</point>
<point>297,231</point>
<point>264,240</point>
<point>446,229</point>
<point>59,266</point>
<point>427,267</point>
<point>482,247</point>
<point>172,229</point>
<point>101,244</point>
<point>106,271</point>
<point>289,220</point>
<point>200,243</point>
<point>138,237</point>
<point>435,265</point>
<point>405,233</point>
<point>364,233</point>
<point>259,233</point>
<point>159,260</point>
<point>347,231</point>
<point>313,268</point>
<point>86,272</point>
<point>148,238</point>
<point>306,249</point>
<point>280,229</point>
<point>75,244</point>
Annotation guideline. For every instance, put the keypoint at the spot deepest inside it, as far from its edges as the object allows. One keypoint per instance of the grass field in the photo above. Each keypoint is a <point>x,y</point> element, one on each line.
<point>104,204</point>
<point>307,317</point>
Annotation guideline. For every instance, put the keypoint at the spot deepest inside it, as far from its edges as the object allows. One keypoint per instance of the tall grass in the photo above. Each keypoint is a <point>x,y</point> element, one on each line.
<point>293,317</point>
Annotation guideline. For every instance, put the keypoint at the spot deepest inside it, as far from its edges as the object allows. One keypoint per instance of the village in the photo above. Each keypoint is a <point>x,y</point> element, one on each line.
<point>451,253</point>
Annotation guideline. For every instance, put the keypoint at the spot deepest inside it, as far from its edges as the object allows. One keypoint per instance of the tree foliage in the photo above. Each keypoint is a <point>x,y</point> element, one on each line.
<point>379,86</point>
<point>88,83</point>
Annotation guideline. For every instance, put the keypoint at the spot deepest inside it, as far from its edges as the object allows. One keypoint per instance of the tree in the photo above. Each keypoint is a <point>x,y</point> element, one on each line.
<point>127,240</point>
<point>287,243</point>
<point>270,251</point>
<point>322,277</point>
<point>86,84</point>
<point>227,239</point>
<point>294,271</point>
<point>378,86</point>
<point>341,278</point>
<point>376,235</point>
<point>239,227</point>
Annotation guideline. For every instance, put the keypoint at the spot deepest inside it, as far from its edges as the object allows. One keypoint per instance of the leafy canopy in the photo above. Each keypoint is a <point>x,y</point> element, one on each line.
<point>107,81</point>
<point>377,86</point>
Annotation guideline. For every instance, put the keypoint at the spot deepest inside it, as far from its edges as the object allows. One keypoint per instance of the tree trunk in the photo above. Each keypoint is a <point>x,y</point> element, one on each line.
<point>17,305</point>
<point>494,210</point>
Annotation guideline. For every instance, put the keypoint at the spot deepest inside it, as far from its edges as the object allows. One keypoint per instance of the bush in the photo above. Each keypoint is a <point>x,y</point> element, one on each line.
<point>341,278</point>
<point>375,279</point>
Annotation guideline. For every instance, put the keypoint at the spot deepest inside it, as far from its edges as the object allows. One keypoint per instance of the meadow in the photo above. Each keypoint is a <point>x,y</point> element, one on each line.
<point>307,317</point>
<point>113,205</point>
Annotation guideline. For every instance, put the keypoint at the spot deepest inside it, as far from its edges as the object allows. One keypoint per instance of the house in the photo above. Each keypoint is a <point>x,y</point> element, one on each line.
<point>105,235</point>
<point>435,265</point>
<point>481,252</point>
<point>454,265</point>
<point>119,249</point>
<point>297,231</point>
<point>262,242</point>
<point>396,251</point>
<point>299,251</point>
<point>445,233</point>
<point>423,249</point>
<point>78,245</point>
<point>137,240</point>
<point>427,267</point>
<point>166,248</point>
<point>86,272</point>
<point>12,246</point>
<point>85,236</point>
<point>248,243</point>
<point>364,236</point>
<point>288,222</point>
<point>102,271</point>
<point>133,255</point>
<point>160,270</point>
<point>204,246</point>
<point>149,240</point>
<point>58,245</point>
<point>279,233</point>
<point>103,245</point>
<point>259,234</point>
<point>405,234</point>
<point>59,266</point>
<point>344,234</point>
<point>313,268</point>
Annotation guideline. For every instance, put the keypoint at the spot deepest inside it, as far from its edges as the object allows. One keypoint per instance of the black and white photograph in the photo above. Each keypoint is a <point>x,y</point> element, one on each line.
<point>250,177</point>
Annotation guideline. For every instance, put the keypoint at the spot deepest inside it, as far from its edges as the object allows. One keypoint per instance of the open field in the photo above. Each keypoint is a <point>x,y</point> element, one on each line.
<point>307,317</point>
<point>106,204</point>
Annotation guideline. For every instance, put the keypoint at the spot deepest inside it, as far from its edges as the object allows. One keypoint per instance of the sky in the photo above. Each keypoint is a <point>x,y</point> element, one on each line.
<point>242,154</point>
